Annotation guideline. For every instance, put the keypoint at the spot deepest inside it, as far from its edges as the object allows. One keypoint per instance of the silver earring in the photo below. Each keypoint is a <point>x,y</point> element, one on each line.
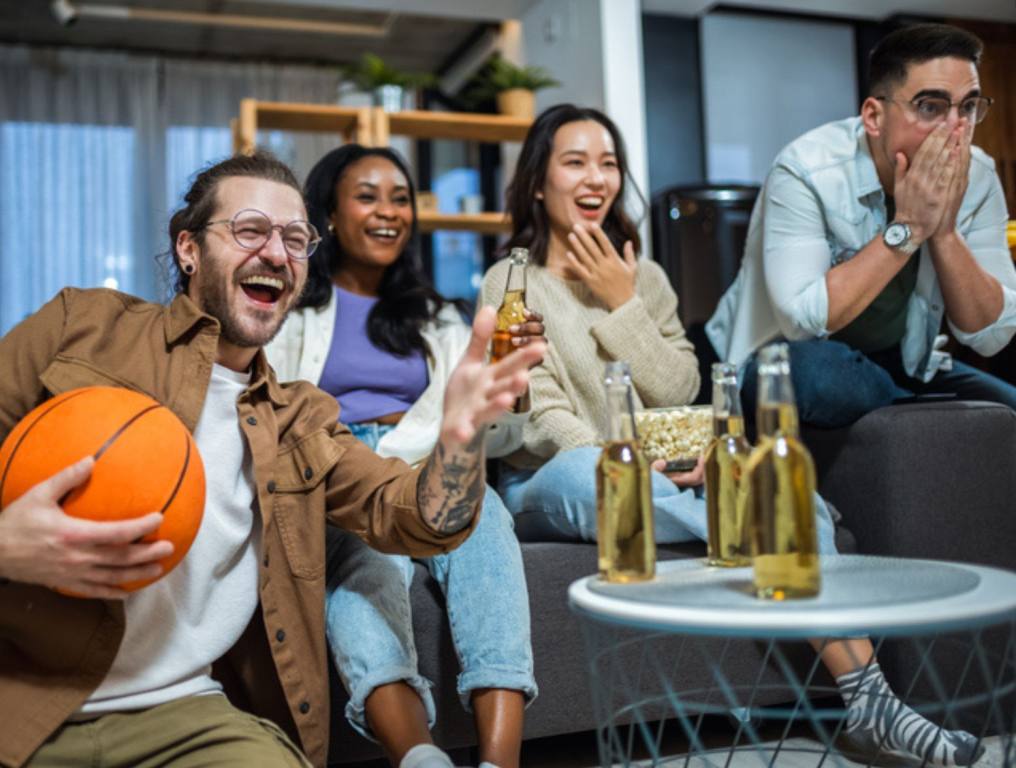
<point>188,269</point>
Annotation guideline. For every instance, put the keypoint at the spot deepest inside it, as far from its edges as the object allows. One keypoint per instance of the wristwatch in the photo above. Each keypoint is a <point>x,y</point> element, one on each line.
<point>898,237</point>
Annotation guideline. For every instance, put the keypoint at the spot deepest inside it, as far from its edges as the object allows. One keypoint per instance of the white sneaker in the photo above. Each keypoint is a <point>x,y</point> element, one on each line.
<point>426,756</point>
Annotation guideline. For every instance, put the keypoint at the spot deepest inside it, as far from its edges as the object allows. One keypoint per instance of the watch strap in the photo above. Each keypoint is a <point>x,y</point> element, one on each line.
<point>908,246</point>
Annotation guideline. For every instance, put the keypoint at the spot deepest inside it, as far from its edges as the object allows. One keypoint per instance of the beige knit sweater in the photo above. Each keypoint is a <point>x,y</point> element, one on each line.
<point>567,388</point>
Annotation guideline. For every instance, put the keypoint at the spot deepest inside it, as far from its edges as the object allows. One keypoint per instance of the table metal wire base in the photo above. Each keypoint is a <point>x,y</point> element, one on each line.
<point>764,692</point>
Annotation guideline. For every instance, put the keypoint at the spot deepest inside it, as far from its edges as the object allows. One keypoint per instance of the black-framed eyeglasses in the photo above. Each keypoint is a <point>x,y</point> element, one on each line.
<point>932,110</point>
<point>251,229</point>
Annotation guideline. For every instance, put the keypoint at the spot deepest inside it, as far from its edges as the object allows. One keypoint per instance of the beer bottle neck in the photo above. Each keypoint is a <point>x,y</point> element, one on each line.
<point>620,424</point>
<point>727,407</point>
<point>777,408</point>
<point>516,279</point>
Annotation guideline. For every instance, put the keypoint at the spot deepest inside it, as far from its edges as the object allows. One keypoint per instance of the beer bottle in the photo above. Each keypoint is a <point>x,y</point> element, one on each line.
<point>779,489</point>
<point>728,542</point>
<point>513,307</point>
<point>624,502</point>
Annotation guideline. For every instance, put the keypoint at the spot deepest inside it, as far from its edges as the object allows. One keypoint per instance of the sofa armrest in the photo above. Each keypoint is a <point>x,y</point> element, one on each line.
<point>932,480</point>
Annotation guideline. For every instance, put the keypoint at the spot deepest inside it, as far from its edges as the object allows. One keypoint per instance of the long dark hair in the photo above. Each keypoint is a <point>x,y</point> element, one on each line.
<point>530,224</point>
<point>406,297</point>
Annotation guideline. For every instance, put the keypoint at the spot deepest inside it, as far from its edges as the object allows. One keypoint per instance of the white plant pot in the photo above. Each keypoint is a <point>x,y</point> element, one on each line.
<point>391,98</point>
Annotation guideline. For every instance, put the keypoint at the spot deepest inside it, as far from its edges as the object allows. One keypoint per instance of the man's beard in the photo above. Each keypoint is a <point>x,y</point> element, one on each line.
<point>213,299</point>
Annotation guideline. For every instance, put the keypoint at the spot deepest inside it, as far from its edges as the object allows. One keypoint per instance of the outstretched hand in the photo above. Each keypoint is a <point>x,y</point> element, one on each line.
<point>41,544</point>
<point>479,392</point>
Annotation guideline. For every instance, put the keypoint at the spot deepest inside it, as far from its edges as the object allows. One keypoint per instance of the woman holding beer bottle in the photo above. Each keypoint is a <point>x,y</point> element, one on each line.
<point>371,330</point>
<point>567,202</point>
<point>603,305</point>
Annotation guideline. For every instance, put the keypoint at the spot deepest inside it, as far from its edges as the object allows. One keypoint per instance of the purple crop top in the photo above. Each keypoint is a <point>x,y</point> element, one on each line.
<point>368,382</point>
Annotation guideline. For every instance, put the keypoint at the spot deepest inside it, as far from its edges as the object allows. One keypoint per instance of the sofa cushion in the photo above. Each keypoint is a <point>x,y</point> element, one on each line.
<point>934,480</point>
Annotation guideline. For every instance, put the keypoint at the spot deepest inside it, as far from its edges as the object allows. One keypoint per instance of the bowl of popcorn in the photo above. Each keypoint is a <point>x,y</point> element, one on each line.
<point>678,435</point>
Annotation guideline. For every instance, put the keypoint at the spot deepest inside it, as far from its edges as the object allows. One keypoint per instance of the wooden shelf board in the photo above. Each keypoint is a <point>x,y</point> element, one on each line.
<point>491,223</point>
<point>457,125</point>
<point>325,118</point>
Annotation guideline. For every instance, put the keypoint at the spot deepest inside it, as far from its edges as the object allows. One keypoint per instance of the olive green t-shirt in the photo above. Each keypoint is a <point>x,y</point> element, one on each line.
<point>883,323</point>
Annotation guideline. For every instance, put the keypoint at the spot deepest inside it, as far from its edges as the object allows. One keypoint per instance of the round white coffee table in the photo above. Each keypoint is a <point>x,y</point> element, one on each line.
<point>694,642</point>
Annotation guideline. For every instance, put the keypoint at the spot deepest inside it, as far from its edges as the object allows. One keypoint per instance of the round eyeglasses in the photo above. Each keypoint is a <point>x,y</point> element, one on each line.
<point>251,229</point>
<point>931,110</point>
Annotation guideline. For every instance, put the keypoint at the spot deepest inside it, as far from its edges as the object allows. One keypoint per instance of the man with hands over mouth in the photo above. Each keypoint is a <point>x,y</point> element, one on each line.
<point>868,231</point>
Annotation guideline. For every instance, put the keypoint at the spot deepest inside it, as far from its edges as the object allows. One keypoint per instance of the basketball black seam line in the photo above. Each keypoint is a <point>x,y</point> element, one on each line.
<point>180,477</point>
<point>129,423</point>
<point>54,402</point>
<point>123,428</point>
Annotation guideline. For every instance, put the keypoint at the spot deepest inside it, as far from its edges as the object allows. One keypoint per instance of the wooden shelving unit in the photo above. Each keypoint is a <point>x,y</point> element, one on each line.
<point>374,127</point>
<point>465,126</point>
<point>484,223</point>
<point>353,123</point>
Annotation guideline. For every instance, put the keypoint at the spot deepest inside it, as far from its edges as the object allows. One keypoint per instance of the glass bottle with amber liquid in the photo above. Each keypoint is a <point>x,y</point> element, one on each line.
<point>513,307</point>
<point>779,489</point>
<point>624,500</point>
<point>728,543</point>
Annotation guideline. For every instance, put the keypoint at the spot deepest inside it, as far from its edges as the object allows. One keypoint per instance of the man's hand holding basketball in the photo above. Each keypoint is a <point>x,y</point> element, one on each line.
<point>40,544</point>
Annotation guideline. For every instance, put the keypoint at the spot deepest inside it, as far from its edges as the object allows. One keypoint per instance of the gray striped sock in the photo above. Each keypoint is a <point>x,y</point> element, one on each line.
<point>878,720</point>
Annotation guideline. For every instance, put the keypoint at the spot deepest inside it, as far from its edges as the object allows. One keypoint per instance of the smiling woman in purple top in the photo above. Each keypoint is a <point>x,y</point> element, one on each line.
<point>370,383</point>
<point>371,330</point>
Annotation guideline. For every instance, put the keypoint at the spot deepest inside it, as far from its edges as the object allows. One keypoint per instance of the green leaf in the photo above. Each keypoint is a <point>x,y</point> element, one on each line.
<point>502,75</point>
<point>372,72</point>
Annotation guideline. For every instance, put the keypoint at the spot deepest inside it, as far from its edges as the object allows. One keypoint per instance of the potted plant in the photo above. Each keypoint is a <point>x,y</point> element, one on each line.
<point>386,84</point>
<point>512,86</point>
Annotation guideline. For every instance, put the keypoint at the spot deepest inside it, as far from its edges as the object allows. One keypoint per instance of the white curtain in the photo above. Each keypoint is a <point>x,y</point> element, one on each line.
<point>97,149</point>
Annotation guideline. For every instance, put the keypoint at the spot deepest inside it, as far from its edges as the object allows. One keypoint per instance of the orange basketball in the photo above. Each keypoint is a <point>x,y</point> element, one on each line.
<point>145,461</point>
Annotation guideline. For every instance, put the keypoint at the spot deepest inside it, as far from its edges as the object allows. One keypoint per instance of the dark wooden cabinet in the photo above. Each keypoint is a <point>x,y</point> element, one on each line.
<point>997,134</point>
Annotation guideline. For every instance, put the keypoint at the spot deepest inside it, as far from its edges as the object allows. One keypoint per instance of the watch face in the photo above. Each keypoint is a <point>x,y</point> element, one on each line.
<point>896,235</point>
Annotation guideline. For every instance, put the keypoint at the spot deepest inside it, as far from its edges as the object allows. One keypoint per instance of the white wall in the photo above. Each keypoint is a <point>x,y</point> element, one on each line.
<point>563,37</point>
<point>767,81</point>
<point>624,98</point>
<point>594,47</point>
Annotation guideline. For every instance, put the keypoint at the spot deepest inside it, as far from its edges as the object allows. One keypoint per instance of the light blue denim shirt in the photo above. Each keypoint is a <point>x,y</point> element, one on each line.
<point>822,202</point>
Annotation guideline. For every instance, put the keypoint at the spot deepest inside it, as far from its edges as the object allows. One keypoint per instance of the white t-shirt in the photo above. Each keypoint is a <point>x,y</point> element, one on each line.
<point>179,625</point>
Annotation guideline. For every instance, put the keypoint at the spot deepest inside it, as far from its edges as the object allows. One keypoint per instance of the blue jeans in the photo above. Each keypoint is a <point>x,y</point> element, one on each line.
<point>369,622</point>
<point>557,502</point>
<point>835,385</point>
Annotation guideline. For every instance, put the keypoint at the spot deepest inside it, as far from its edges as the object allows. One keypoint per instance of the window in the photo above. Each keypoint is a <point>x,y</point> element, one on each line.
<point>64,212</point>
<point>458,256</point>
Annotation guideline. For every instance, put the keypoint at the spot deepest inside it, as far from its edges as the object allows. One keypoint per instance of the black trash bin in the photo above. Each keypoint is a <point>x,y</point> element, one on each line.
<point>698,238</point>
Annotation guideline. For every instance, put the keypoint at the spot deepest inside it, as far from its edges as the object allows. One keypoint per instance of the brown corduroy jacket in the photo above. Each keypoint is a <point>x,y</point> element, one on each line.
<point>308,470</point>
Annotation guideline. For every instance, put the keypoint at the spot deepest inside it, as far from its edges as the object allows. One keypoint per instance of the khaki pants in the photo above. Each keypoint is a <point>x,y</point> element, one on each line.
<point>190,732</point>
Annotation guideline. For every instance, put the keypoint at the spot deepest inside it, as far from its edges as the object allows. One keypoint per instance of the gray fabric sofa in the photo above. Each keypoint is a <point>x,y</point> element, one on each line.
<point>934,480</point>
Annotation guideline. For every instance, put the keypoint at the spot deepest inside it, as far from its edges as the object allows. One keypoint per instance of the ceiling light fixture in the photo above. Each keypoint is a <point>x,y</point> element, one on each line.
<point>67,13</point>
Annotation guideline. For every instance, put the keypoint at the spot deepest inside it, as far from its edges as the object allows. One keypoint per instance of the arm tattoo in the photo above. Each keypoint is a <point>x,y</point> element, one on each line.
<point>451,486</point>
